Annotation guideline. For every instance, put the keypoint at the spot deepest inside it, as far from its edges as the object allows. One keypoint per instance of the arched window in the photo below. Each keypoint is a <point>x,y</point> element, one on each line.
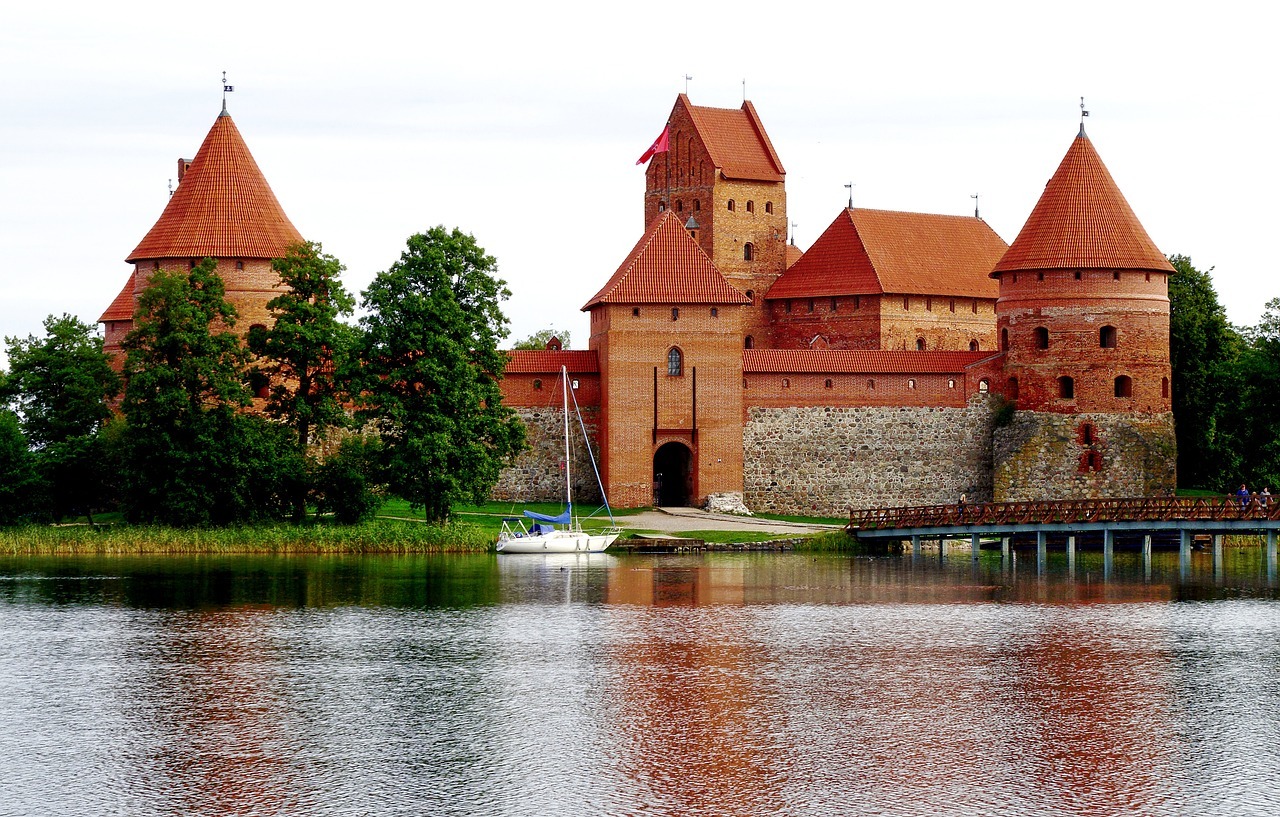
<point>1124,386</point>
<point>906,304</point>
<point>919,344</point>
<point>715,312</point>
<point>1011,390</point>
<point>675,363</point>
<point>751,206</point>
<point>635,311</point>
<point>1004,340</point>
<point>1039,276</point>
<point>1086,434</point>
<point>662,207</point>
<point>537,385</point>
<point>697,206</point>
<point>984,386</point>
<point>768,207</point>
<point>973,346</point>
<point>679,206</point>
<point>749,343</point>
<point>239,265</point>
<point>1042,337</point>
<point>826,384</point>
<point>1164,387</point>
<point>751,296</point>
<point>871,385</point>
<point>835,305</point>
<point>951,383</point>
<point>811,304</point>
<point>1107,337</point>
<point>730,205</point>
<point>1078,275</point>
<point>1066,388</point>
<point>786,382</point>
<point>911,383</point>
<point>675,313</point>
<point>748,251</point>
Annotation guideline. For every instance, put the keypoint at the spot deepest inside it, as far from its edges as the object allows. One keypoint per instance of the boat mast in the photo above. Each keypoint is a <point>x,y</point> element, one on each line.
<point>568,479</point>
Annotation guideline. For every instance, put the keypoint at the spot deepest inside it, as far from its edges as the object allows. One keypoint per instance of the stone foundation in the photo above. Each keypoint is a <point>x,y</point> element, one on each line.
<point>538,473</point>
<point>1048,456</point>
<point>826,460</point>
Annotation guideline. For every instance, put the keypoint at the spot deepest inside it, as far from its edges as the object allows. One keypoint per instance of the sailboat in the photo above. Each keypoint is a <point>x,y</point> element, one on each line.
<point>562,533</point>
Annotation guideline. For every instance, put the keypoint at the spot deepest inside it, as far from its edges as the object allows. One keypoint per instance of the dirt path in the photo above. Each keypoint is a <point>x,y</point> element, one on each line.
<point>680,520</point>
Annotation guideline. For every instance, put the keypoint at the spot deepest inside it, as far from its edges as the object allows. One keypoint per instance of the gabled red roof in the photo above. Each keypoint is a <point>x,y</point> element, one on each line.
<point>667,267</point>
<point>800,361</point>
<point>1082,220</point>
<point>736,141</point>
<point>542,361</point>
<point>223,207</point>
<point>869,252</point>
<point>121,308</point>
<point>794,254</point>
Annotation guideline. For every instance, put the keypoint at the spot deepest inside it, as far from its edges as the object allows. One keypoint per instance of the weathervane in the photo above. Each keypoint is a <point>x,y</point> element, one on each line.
<point>793,233</point>
<point>975,205</point>
<point>171,188</point>
<point>849,187</point>
<point>744,89</point>
<point>686,84</point>
<point>1083,112</point>
<point>226,89</point>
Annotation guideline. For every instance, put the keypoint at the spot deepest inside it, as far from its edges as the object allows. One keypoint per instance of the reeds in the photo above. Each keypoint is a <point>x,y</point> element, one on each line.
<point>378,536</point>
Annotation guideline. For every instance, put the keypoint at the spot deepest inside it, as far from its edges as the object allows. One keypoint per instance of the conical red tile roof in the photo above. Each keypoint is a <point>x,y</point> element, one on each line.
<point>667,267</point>
<point>223,207</point>
<point>1082,220</point>
<point>121,308</point>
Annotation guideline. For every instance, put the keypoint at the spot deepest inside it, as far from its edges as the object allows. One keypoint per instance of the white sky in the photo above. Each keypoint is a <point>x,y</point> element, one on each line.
<point>521,122</point>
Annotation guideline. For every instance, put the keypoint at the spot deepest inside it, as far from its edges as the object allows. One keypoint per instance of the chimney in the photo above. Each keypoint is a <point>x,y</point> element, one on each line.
<point>183,166</point>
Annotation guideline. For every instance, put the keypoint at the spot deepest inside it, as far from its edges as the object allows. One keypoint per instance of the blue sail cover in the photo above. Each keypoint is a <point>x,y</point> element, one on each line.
<point>562,519</point>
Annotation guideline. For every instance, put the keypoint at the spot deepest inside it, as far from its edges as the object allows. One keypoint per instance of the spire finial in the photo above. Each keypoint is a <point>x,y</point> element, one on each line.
<point>744,89</point>
<point>793,233</point>
<point>686,84</point>
<point>226,89</point>
<point>1083,114</point>
<point>849,187</point>
<point>975,205</point>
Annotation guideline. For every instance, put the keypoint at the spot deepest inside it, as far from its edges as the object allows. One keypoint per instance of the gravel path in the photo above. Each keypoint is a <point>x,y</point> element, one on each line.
<point>679,520</point>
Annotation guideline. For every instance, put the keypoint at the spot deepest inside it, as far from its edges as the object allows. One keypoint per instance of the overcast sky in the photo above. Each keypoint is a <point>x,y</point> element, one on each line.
<point>521,123</point>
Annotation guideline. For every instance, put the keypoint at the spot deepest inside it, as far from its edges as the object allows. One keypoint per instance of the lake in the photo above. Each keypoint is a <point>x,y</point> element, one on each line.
<point>688,684</point>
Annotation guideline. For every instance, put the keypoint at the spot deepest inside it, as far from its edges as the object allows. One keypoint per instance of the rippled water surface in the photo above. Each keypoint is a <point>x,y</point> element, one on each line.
<point>716,684</point>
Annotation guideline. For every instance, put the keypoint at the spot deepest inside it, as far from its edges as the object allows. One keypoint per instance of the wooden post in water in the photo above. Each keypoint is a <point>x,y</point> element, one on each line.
<point>1108,551</point>
<point>1042,552</point>
<point>1184,553</point>
<point>1217,556</point>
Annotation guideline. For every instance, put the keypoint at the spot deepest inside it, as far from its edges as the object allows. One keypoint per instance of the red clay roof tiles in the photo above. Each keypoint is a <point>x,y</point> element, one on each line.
<point>121,308</point>
<point>541,361</point>
<point>223,207</point>
<point>667,266</point>
<point>736,141</point>
<point>867,252</point>
<point>799,361</point>
<point>1082,220</point>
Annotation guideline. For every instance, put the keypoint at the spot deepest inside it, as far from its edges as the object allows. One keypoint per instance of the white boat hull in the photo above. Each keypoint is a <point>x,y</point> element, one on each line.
<point>557,541</point>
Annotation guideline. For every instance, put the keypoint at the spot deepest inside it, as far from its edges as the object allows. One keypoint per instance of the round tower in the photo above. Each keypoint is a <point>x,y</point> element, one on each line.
<point>1083,320</point>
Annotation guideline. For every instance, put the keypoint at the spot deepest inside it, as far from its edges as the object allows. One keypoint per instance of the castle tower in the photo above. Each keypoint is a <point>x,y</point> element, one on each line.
<point>223,209</point>
<point>722,178</point>
<point>667,330</point>
<point>1083,320</point>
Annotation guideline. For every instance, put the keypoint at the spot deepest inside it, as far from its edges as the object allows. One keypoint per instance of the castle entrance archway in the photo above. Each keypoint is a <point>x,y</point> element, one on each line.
<point>672,475</point>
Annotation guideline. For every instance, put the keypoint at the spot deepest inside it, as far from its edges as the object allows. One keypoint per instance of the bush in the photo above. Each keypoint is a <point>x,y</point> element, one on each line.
<point>345,485</point>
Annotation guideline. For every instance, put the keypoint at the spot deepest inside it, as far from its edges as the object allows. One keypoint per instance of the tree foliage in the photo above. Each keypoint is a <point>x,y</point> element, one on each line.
<point>20,485</point>
<point>540,339</point>
<point>431,366</point>
<point>303,352</point>
<point>61,385</point>
<point>190,456</point>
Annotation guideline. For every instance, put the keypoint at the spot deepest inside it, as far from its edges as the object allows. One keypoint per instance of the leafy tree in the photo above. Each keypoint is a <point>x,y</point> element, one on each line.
<point>344,485</point>
<point>1203,349</point>
<point>61,385</point>
<point>20,485</point>
<point>431,366</point>
<point>1257,421</point>
<point>191,456</point>
<point>301,352</point>
<point>539,339</point>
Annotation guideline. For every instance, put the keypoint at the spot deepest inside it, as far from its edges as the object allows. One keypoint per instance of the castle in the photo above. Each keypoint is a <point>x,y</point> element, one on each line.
<point>905,358</point>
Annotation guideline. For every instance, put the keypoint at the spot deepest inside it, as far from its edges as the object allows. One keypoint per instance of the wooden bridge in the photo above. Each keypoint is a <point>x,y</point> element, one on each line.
<point>1143,519</point>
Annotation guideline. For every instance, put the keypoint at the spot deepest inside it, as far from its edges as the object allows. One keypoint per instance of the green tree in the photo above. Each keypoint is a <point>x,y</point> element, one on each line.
<point>301,354</point>
<point>1257,407</point>
<point>191,457</point>
<point>61,385</point>
<point>1204,351</point>
<point>21,489</point>
<point>431,364</point>
<point>539,339</point>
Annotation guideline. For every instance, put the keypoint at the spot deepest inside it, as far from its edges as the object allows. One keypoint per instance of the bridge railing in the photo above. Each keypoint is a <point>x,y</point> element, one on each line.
<point>1130,509</point>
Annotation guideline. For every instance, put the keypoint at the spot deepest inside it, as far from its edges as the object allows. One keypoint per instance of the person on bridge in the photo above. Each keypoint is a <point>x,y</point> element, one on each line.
<point>960,505</point>
<point>1243,495</point>
<point>1265,497</point>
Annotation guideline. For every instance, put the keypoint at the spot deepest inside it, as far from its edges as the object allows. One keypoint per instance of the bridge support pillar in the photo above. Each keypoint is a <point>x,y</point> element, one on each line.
<point>975,545</point>
<point>915,546</point>
<point>1271,555</point>
<point>1042,552</point>
<point>1071,555</point>
<point>1108,551</point>
<point>1217,556</point>
<point>1184,553</point>
<point>1004,547</point>
<point>1146,556</point>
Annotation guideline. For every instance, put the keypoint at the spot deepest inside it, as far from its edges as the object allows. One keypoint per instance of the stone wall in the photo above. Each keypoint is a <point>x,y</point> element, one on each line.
<point>537,474</point>
<point>825,460</point>
<point>1051,456</point>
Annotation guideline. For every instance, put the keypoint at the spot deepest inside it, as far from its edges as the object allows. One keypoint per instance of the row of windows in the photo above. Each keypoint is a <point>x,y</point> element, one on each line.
<point>871,383</point>
<point>730,205</point>
<point>928,304</point>
<point>857,304</point>
<point>1079,276</point>
<point>191,264</point>
<point>1067,387</point>
<point>1107,338</point>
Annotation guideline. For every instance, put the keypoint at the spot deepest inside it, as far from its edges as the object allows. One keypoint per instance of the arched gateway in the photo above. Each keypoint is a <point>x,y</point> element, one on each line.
<point>672,475</point>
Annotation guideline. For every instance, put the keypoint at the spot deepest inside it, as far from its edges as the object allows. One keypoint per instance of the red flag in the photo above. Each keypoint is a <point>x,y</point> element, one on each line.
<point>660,145</point>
